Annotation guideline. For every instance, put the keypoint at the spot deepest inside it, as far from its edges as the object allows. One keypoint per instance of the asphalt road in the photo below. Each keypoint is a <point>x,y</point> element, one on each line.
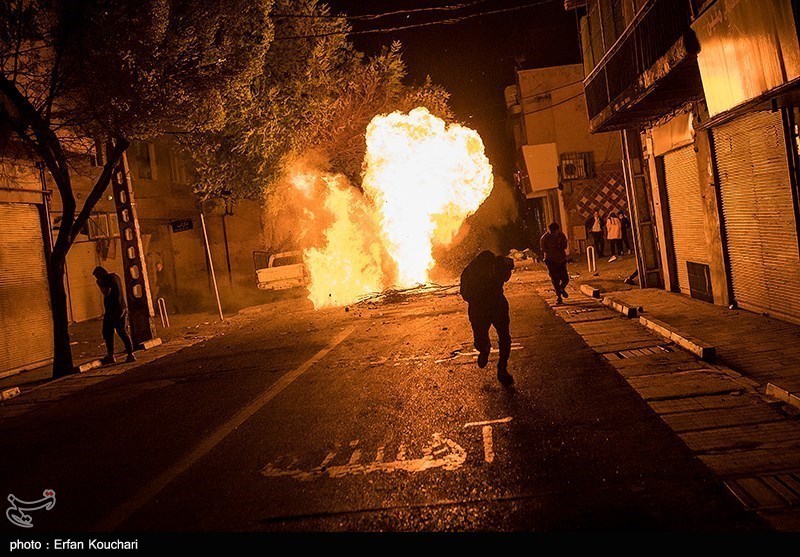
<point>367,419</point>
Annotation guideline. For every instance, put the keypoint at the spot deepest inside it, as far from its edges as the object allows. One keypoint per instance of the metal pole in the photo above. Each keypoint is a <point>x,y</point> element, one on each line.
<point>211,266</point>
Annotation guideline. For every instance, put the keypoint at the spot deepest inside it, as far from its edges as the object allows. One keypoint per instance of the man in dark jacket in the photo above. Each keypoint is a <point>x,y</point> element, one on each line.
<point>554,247</point>
<point>115,316</point>
<point>482,287</point>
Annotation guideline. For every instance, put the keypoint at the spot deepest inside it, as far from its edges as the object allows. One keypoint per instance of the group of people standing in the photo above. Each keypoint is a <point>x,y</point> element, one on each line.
<point>616,228</point>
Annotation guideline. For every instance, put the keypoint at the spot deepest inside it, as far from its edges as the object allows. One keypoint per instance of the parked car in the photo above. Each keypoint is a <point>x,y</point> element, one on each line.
<point>283,271</point>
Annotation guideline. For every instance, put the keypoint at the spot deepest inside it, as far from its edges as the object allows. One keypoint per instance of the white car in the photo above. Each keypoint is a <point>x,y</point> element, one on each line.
<point>284,270</point>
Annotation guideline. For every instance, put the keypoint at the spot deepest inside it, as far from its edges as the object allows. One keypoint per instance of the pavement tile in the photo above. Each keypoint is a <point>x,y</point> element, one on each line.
<point>739,437</point>
<point>721,417</point>
<point>784,521</point>
<point>674,406</point>
<point>682,384</point>
<point>757,461</point>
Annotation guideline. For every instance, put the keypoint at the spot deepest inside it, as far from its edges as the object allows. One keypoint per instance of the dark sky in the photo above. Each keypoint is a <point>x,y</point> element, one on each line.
<point>474,60</point>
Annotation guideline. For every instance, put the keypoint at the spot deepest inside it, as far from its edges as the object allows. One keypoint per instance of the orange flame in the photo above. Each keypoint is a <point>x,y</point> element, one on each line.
<point>422,179</point>
<point>425,178</point>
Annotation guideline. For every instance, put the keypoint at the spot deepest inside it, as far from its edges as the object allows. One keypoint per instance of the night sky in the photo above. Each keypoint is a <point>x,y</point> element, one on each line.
<point>474,60</point>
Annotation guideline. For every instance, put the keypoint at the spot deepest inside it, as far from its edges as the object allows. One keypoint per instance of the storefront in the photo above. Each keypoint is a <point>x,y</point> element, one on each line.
<point>25,316</point>
<point>755,186</point>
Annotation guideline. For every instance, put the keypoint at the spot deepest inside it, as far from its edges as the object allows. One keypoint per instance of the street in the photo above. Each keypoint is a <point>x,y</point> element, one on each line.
<point>374,417</point>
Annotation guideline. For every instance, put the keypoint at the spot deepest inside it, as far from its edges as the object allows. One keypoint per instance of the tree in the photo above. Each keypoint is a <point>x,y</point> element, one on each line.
<point>316,93</point>
<point>75,73</point>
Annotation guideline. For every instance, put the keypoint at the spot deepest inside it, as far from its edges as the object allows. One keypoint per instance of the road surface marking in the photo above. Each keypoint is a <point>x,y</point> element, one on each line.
<point>356,456</point>
<point>328,459</point>
<point>488,440</point>
<point>455,354</point>
<point>452,458</point>
<point>488,445</point>
<point>140,499</point>
<point>489,422</point>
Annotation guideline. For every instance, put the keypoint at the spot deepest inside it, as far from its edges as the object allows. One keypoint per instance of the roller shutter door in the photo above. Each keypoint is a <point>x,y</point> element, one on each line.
<point>685,212</point>
<point>758,209</point>
<point>85,298</point>
<point>26,329</point>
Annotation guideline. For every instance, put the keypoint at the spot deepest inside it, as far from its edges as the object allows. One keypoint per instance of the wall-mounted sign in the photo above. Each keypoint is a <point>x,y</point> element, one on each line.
<point>181,225</point>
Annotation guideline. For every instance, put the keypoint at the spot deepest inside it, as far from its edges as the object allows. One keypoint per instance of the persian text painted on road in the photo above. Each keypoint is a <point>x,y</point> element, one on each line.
<point>439,453</point>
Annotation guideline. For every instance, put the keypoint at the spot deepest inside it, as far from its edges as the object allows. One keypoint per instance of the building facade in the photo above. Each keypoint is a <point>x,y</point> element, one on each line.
<point>169,220</point>
<point>565,172</point>
<point>705,97</point>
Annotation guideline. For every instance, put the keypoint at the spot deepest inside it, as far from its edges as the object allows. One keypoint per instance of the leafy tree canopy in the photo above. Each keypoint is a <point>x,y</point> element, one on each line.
<point>315,93</point>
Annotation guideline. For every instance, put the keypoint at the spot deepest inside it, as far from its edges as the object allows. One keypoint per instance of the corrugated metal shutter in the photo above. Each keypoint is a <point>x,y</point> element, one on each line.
<point>85,297</point>
<point>26,321</point>
<point>757,206</point>
<point>685,212</point>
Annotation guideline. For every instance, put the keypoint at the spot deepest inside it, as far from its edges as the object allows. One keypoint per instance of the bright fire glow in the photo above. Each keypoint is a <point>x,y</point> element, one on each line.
<point>349,265</point>
<point>422,179</point>
<point>425,178</point>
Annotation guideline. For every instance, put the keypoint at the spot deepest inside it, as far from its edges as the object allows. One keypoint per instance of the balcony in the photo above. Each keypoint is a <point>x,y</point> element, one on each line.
<point>650,70</point>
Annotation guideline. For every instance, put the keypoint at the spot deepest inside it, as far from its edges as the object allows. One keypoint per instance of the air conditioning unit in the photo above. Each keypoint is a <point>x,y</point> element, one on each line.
<point>575,166</point>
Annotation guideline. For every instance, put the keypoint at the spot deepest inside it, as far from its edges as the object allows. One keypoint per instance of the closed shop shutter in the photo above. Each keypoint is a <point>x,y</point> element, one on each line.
<point>757,207</point>
<point>26,321</point>
<point>85,298</point>
<point>685,212</point>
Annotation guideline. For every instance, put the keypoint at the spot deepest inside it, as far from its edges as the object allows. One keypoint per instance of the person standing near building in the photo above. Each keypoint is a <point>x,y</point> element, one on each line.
<point>626,231</point>
<point>614,228</point>
<point>115,316</point>
<point>594,225</point>
<point>164,288</point>
<point>554,247</point>
<point>482,288</point>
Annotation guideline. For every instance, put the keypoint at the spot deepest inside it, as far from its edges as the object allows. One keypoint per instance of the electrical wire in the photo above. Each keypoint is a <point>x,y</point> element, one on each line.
<point>449,21</point>
<point>370,17</point>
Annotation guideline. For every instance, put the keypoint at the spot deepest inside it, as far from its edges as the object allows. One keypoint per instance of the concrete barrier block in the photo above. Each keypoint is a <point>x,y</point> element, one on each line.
<point>88,366</point>
<point>8,394</point>
<point>152,343</point>
<point>590,290</point>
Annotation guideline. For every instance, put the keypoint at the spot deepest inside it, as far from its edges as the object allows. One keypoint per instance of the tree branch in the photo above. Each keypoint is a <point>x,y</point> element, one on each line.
<point>100,186</point>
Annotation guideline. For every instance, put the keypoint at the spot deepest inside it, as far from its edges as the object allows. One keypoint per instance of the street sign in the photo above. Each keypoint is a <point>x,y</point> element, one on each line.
<point>181,225</point>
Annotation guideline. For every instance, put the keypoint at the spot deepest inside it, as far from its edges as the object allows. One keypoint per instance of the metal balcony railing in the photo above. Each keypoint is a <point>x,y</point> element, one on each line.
<point>650,35</point>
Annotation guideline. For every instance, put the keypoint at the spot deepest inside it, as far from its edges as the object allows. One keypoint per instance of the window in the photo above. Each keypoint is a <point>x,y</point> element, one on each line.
<point>177,168</point>
<point>145,160</point>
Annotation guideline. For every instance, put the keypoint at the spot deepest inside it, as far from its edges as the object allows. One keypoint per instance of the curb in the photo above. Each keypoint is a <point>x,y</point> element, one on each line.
<point>702,350</point>
<point>590,290</point>
<point>627,311</point>
<point>783,394</point>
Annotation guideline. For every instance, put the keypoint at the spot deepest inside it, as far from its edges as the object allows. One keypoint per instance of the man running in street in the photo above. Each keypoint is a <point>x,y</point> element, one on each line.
<point>482,287</point>
<point>554,247</point>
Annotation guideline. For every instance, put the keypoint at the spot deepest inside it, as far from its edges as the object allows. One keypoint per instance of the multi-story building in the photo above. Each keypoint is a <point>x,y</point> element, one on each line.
<point>565,172</point>
<point>169,221</point>
<point>705,95</point>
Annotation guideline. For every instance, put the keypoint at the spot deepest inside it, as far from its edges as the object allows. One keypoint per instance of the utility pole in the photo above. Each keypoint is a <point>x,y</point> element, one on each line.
<point>137,285</point>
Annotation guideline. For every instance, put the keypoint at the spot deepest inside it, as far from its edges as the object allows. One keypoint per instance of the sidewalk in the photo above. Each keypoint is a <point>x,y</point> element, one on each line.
<point>762,348</point>
<point>87,345</point>
<point>749,441</point>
